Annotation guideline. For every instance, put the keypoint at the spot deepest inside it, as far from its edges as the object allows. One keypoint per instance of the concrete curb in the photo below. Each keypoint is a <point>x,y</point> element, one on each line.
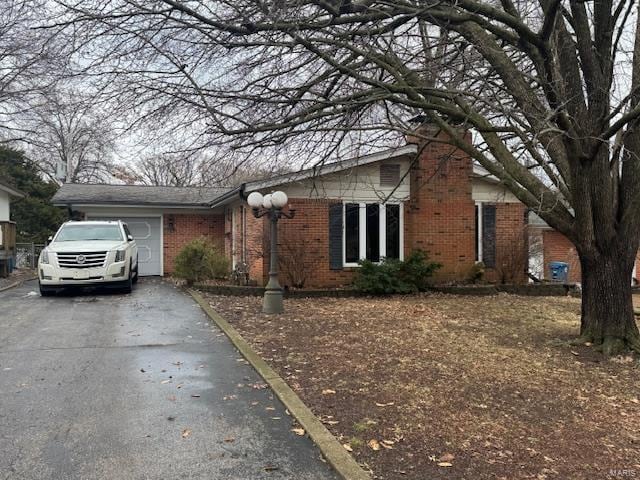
<point>333,451</point>
<point>16,284</point>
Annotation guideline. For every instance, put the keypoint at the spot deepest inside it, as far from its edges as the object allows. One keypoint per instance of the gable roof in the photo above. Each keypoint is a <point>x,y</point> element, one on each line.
<point>99,194</point>
<point>13,191</point>
<point>324,169</point>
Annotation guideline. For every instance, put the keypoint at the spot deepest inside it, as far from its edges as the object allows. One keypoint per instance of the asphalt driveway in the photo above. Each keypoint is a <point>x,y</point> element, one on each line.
<point>140,386</point>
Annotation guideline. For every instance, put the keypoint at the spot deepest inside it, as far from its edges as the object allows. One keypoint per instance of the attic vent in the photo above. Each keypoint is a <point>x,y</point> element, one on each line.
<point>389,174</point>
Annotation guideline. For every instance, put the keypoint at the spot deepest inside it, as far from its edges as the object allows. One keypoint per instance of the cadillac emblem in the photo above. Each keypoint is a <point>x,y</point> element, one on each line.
<point>80,259</point>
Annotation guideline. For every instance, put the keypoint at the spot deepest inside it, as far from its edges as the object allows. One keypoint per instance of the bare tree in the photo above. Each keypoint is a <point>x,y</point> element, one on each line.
<point>31,61</point>
<point>169,170</point>
<point>551,90</point>
<point>71,137</point>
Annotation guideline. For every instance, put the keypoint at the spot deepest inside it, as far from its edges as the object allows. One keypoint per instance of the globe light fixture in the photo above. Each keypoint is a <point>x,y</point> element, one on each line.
<point>255,200</point>
<point>279,199</point>
<point>271,205</point>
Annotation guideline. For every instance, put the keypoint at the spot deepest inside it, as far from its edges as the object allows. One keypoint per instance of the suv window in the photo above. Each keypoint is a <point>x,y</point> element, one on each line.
<point>75,233</point>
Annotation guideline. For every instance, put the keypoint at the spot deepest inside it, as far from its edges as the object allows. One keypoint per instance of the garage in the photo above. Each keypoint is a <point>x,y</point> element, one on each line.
<point>147,231</point>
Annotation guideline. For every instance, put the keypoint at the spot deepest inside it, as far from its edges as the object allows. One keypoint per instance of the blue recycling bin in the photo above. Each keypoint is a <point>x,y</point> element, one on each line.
<point>559,271</point>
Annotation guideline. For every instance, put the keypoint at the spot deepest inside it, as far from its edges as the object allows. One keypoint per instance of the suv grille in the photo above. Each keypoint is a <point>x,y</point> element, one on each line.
<point>81,259</point>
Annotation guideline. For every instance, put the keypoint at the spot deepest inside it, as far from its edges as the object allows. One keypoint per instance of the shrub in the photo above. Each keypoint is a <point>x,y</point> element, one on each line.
<point>200,260</point>
<point>395,276</point>
<point>476,273</point>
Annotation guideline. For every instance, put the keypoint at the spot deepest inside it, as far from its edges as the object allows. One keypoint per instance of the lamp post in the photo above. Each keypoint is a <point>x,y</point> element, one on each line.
<point>271,205</point>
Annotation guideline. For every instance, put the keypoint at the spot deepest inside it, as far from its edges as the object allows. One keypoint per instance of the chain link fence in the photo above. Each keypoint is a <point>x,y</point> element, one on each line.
<point>27,254</point>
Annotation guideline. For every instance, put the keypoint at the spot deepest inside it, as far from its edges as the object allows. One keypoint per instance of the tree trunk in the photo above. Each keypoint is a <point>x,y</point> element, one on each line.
<point>607,307</point>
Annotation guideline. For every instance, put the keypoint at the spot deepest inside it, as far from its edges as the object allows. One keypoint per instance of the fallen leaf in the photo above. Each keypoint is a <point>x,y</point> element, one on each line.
<point>575,353</point>
<point>229,440</point>
<point>373,445</point>
<point>445,464</point>
<point>186,432</point>
<point>447,457</point>
<point>328,391</point>
<point>347,447</point>
<point>165,381</point>
<point>388,442</point>
<point>385,404</point>
<point>270,468</point>
<point>298,431</point>
<point>195,395</point>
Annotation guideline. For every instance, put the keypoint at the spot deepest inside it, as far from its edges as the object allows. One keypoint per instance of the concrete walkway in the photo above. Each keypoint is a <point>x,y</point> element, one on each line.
<point>108,386</point>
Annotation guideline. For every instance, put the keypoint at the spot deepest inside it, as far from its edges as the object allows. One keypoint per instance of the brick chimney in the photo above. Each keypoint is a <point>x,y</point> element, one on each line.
<point>440,214</point>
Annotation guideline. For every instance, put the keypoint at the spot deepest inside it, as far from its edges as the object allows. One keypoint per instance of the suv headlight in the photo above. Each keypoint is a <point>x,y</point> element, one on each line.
<point>44,256</point>
<point>120,255</point>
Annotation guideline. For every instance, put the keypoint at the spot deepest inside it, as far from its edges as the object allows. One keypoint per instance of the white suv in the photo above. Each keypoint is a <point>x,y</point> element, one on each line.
<point>89,253</point>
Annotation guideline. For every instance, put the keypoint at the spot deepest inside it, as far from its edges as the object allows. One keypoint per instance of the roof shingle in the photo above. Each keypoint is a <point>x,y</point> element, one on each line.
<point>75,193</point>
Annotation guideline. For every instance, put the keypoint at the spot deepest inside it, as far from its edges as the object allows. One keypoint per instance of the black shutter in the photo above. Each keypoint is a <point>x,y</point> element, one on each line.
<point>335,236</point>
<point>489,235</point>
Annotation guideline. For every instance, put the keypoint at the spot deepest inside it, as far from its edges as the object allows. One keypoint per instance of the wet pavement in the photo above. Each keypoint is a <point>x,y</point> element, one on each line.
<point>102,385</point>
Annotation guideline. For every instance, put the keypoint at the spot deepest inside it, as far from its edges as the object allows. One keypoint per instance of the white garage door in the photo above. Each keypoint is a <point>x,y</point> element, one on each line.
<point>146,231</point>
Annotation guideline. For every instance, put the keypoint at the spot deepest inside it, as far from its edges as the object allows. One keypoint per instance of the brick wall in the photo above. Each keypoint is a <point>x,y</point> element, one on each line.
<point>558,248</point>
<point>440,214</point>
<point>303,246</point>
<point>511,245</point>
<point>179,229</point>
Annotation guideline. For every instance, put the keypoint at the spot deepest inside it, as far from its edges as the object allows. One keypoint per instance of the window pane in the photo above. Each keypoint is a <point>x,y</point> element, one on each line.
<point>393,231</point>
<point>351,232</point>
<point>373,232</point>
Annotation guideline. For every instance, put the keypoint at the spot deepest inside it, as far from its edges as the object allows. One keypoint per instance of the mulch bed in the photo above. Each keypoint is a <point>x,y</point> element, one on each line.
<point>454,387</point>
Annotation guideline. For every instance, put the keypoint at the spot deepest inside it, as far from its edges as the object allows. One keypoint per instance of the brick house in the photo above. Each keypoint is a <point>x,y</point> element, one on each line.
<point>387,204</point>
<point>548,245</point>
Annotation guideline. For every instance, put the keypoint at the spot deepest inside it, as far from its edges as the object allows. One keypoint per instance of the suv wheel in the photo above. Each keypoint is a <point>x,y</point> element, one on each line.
<point>128,285</point>
<point>45,291</point>
<point>135,278</point>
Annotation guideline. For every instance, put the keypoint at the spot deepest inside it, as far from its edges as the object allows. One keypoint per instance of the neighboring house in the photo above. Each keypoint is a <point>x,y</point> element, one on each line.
<point>548,245</point>
<point>7,227</point>
<point>387,204</point>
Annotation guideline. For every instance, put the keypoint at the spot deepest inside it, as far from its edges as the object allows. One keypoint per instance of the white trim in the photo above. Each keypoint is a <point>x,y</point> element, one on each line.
<point>140,215</point>
<point>382,230</point>
<point>120,205</point>
<point>478,231</point>
<point>401,226</point>
<point>234,261</point>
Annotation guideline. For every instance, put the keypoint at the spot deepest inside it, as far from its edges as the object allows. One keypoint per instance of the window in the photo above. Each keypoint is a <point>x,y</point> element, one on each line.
<point>372,231</point>
<point>485,223</point>
<point>393,231</point>
<point>87,231</point>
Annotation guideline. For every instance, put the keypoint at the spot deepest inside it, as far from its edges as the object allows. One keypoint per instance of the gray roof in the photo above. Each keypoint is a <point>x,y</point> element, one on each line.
<point>84,194</point>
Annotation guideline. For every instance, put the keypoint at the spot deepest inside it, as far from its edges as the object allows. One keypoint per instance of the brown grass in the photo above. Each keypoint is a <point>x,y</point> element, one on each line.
<point>487,385</point>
